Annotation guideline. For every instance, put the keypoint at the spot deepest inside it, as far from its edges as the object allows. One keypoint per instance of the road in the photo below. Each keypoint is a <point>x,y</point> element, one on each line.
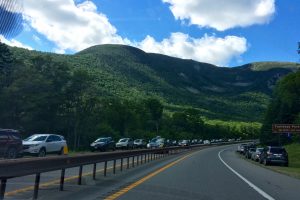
<point>211,173</point>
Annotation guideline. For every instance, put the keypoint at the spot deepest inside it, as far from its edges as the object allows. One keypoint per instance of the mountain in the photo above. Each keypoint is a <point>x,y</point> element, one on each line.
<point>239,93</point>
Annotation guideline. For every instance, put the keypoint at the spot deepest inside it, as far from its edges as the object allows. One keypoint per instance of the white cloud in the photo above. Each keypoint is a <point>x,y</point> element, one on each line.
<point>73,27</point>
<point>70,26</point>
<point>208,49</point>
<point>14,43</point>
<point>223,14</point>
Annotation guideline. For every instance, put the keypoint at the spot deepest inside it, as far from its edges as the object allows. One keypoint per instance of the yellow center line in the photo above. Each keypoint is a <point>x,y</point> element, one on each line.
<point>135,184</point>
<point>57,181</point>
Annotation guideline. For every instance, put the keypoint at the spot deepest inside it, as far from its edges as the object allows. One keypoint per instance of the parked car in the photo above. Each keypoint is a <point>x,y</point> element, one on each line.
<point>10,143</point>
<point>140,143</point>
<point>125,143</point>
<point>206,142</point>
<point>43,144</point>
<point>184,143</point>
<point>255,155</point>
<point>248,153</point>
<point>240,148</point>
<point>274,155</point>
<point>157,142</point>
<point>103,144</point>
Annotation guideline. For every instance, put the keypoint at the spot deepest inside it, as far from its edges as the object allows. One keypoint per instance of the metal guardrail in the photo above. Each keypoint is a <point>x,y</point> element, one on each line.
<point>23,167</point>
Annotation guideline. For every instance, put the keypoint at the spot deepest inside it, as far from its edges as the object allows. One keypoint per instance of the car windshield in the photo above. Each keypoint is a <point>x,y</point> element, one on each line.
<point>154,140</point>
<point>123,140</point>
<point>138,140</point>
<point>101,140</point>
<point>36,138</point>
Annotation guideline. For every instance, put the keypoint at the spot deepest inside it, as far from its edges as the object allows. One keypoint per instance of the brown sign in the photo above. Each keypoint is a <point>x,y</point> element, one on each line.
<point>286,128</point>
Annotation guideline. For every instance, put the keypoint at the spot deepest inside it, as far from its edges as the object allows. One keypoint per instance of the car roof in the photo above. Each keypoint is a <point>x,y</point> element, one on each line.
<point>9,130</point>
<point>47,135</point>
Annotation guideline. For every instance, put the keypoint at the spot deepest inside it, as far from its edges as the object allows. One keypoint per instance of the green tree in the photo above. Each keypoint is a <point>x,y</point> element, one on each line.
<point>155,108</point>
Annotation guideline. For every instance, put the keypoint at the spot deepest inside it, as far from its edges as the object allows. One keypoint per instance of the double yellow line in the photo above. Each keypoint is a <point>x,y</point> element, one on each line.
<point>135,184</point>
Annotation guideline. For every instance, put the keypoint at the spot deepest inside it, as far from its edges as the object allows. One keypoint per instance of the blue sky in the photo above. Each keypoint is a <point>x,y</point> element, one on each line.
<point>255,30</point>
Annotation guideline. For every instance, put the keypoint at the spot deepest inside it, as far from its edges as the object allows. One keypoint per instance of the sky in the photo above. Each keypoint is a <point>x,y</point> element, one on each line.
<point>221,32</point>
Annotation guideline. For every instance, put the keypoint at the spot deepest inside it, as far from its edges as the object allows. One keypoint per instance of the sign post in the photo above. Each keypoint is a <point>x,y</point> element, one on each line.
<point>285,129</point>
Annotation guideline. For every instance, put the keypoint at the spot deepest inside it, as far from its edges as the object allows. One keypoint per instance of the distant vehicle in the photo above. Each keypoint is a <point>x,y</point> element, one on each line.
<point>247,147</point>
<point>184,143</point>
<point>10,143</point>
<point>255,155</point>
<point>174,142</point>
<point>125,143</point>
<point>157,142</point>
<point>274,154</point>
<point>200,141</point>
<point>241,148</point>
<point>103,144</point>
<point>206,142</point>
<point>249,152</point>
<point>194,141</point>
<point>43,144</point>
<point>140,143</point>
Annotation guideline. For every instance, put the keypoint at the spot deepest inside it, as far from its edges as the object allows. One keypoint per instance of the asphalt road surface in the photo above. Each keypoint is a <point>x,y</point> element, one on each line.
<point>208,174</point>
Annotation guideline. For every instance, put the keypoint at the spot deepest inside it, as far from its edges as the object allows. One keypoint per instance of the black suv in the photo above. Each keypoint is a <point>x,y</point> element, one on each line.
<point>272,155</point>
<point>103,144</point>
<point>10,143</point>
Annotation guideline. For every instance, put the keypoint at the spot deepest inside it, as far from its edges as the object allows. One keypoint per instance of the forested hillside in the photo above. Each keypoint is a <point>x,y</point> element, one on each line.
<point>120,90</point>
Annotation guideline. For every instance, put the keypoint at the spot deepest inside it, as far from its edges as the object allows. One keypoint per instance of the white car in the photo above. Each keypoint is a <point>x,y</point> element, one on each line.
<point>206,142</point>
<point>43,144</point>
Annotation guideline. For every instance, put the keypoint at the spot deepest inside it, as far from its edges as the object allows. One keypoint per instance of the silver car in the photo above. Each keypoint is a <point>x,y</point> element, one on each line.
<point>43,144</point>
<point>125,143</point>
<point>255,155</point>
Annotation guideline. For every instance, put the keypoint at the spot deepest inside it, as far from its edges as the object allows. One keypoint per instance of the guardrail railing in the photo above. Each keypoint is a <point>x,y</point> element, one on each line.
<point>23,167</point>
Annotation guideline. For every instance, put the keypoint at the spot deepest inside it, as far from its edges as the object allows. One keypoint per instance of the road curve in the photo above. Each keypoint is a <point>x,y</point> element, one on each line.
<point>205,175</point>
<point>209,174</point>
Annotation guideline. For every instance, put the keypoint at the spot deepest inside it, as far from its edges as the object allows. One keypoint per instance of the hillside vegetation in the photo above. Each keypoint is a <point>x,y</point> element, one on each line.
<point>239,93</point>
<point>123,91</point>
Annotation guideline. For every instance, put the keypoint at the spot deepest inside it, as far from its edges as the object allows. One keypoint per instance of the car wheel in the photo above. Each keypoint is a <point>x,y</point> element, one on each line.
<point>11,153</point>
<point>42,152</point>
<point>61,152</point>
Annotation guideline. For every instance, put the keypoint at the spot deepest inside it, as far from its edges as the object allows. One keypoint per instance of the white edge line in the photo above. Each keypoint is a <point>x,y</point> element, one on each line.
<point>257,189</point>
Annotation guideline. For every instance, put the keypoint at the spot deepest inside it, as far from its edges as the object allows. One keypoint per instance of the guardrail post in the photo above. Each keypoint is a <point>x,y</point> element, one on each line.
<point>121,167</point>
<point>2,188</point>
<point>148,157</point>
<point>105,168</point>
<point>62,180</point>
<point>127,162</point>
<point>132,161</point>
<point>36,186</point>
<point>80,175</point>
<point>114,170</point>
<point>137,159</point>
<point>94,171</point>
